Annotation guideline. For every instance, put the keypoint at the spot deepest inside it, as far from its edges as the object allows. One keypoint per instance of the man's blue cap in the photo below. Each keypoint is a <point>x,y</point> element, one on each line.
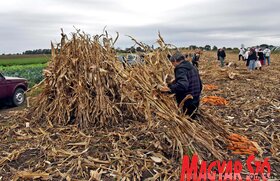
<point>177,57</point>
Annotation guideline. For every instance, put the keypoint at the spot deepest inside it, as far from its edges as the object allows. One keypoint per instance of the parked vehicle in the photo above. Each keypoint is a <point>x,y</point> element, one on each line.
<point>121,58</point>
<point>130,59</point>
<point>133,59</point>
<point>13,89</point>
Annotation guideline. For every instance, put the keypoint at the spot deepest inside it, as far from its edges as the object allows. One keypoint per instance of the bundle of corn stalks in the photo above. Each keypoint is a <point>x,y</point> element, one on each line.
<point>86,85</point>
<point>82,85</point>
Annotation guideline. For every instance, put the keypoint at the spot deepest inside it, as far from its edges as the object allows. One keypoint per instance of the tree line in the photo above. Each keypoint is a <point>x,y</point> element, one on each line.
<point>37,51</point>
<point>134,49</point>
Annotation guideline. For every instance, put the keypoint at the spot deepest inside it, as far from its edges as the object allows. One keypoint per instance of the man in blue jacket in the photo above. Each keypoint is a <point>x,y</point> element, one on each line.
<point>187,82</point>
<point>221,56</point>
<point>195,59</point>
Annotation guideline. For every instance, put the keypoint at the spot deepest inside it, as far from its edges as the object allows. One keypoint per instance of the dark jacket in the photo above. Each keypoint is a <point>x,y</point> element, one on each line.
<point>261,55</point>
<point>221,54</point>
<point>187,81</point>
<point>195,58</point>
<point>252,56</point>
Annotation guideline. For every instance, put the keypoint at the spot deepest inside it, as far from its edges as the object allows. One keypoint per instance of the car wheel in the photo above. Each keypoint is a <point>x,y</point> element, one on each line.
<point>18,97</point>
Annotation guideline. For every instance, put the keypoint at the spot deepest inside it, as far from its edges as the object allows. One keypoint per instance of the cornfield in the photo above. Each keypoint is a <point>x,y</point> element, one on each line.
<point>98,120</point>
<point>87,86</point>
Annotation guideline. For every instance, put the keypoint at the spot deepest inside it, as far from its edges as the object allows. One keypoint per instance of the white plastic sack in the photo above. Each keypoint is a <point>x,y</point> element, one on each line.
<point>258,64</point>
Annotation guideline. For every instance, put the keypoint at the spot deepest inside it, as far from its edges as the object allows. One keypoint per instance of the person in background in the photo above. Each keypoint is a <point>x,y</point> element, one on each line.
<point>187,82</point>
<point>257,49</point>
<point>218,52</point>
<point>241,54</point>
<point>252,58</point>
<point>261,57</point>
<point>267,54</point>
<point>186,57</point>
<point>246,55</point>
<point>195,59</point>
<point>222,56</point>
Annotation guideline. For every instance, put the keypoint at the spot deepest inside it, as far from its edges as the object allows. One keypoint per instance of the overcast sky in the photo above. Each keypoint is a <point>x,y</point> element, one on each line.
<point>33,24</point>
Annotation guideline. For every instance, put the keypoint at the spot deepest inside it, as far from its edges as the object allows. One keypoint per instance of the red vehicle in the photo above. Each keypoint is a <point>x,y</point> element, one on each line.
<point>13,88</point>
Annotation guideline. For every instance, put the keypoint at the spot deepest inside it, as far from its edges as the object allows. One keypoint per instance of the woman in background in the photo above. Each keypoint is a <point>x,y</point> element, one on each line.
<point>246,55</point>
<point>261,56</point>
<point>252,59</point>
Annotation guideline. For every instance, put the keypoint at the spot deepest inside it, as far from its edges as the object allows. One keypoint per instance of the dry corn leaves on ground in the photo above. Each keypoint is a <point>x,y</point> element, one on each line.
<point>122,130</point>
<point>254,109</point>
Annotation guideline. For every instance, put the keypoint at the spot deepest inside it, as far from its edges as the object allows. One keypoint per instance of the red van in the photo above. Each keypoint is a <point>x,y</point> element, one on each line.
<point>13,88</point>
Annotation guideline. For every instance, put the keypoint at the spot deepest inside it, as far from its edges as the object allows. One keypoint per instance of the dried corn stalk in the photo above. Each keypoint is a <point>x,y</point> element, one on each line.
<point>85,84</point>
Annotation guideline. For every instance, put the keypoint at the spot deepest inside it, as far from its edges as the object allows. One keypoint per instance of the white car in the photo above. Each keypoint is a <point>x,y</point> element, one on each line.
<point>133,59</point>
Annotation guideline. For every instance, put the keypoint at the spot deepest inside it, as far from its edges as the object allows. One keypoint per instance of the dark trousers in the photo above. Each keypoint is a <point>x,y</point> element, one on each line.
<point>195,63</point>
<point>240,56</point>
<point>247,62</point>
<point>191,105</point>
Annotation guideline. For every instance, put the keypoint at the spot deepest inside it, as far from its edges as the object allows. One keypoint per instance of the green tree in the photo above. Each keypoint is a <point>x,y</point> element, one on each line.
<point>214,48</point>
<point>192,47</point>
<point>139,49</point>
<point>207,47</point>
<point>132,49</point>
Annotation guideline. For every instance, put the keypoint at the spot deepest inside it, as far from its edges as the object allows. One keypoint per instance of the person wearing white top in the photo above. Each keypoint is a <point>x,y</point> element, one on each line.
<point>241,54</point>
<point>246,57</point>
<point>267,53</point>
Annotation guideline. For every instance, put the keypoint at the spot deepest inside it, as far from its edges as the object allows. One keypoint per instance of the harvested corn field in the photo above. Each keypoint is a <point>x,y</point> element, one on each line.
<point>96,120</point>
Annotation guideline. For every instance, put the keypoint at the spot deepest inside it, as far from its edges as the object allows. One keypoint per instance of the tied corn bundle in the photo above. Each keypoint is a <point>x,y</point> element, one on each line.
<point>82,85</point>
<point>131,125</point>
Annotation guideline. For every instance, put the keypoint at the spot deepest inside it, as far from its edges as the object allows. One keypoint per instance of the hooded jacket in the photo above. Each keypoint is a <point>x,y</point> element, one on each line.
<point>187,81</point>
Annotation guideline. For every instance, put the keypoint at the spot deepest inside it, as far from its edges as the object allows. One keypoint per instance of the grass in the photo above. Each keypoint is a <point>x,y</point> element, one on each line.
<point>23,60</point>
<point>33,72</point>
<point>29,67</point>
